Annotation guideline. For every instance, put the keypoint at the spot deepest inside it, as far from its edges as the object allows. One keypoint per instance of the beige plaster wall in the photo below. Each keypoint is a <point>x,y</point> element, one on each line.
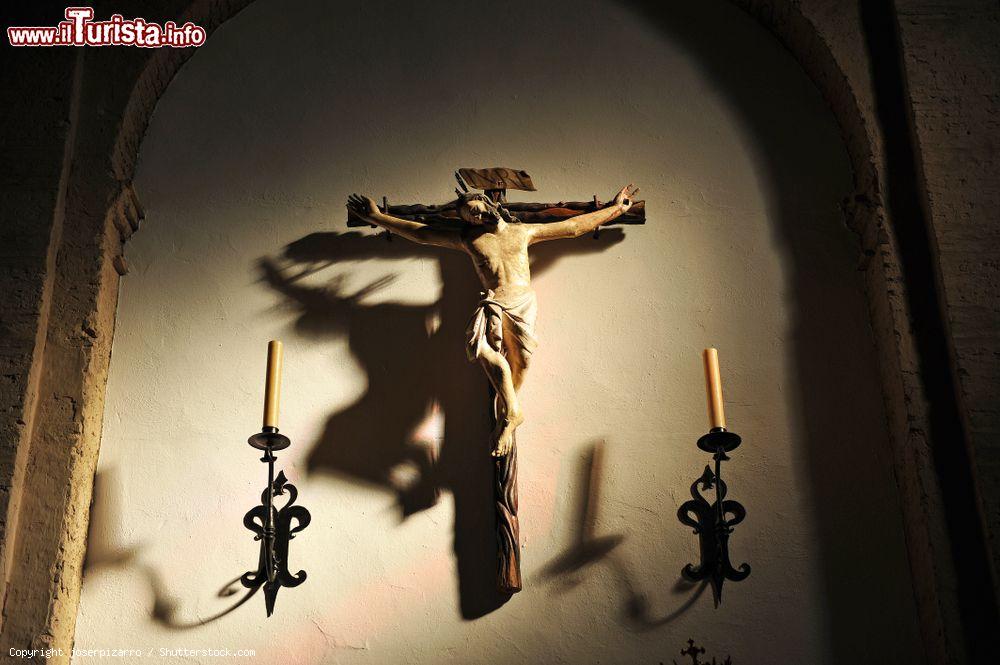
<point>251,154</point>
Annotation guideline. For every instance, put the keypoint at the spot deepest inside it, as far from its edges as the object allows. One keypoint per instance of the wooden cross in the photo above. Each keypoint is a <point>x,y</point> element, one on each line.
<point>495,182</point>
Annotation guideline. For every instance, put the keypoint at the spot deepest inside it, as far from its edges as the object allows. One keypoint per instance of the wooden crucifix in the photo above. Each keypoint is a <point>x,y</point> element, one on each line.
<point>496,234</point>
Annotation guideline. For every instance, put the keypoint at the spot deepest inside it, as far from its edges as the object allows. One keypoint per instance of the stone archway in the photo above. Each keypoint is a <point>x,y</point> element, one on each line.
<point>56,433</point>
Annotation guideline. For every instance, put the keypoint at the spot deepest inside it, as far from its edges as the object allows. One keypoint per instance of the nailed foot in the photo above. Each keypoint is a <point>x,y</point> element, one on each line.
<point>503,435</point>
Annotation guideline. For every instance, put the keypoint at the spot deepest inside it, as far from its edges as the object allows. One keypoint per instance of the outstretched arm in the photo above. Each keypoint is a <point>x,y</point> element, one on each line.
<point>574,227</point>
<point>366,209</point>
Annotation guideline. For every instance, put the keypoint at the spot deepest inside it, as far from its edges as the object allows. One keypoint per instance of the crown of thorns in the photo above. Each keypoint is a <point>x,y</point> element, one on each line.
<point>465,196</point>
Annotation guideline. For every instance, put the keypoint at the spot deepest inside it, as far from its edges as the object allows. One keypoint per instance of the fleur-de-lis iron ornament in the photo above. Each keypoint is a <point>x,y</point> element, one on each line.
<point>272,525</point>
<point>714,521</point>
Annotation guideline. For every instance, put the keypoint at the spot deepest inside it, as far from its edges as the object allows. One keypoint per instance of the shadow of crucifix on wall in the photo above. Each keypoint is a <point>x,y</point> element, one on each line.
<point>414,360</point>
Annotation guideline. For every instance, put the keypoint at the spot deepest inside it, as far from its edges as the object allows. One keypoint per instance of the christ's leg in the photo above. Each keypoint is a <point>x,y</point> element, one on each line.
<point>508,411</point>
<point>518,359</point>
<point>518,362</point>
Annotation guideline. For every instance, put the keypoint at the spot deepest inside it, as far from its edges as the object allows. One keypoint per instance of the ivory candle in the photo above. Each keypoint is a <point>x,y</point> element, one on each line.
<point>272,383</point>
<point>713,384</point>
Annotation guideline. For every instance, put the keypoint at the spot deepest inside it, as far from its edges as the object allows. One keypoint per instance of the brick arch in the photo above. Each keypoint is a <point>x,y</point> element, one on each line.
<point>55,445</point>
<point>152,80</point>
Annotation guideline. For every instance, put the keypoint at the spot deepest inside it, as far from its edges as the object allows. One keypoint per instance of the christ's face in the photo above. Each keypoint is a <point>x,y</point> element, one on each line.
<point>478,212</point>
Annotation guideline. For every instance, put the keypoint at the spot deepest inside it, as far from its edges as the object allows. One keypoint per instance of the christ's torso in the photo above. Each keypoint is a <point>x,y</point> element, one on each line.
<point>501,259</point>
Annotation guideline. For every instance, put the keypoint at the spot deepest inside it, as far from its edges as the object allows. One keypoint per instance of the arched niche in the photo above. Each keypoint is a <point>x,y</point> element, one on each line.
<point>152,76</point>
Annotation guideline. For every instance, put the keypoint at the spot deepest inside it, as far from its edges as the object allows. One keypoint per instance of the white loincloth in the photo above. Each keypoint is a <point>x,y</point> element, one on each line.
<point>486,325</point>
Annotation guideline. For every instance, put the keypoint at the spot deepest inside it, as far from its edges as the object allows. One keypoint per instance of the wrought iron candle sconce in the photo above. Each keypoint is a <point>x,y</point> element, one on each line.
<point>714,521</point>
<point>272,525</point>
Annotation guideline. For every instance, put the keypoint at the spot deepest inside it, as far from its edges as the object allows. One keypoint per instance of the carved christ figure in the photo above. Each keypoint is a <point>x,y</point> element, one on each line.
<point>500,335</point>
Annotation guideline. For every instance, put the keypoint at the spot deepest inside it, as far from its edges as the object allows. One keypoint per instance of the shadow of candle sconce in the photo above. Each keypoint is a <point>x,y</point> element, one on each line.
<point>586,547</point>
<point>713,522</point>
<point>103,552</point>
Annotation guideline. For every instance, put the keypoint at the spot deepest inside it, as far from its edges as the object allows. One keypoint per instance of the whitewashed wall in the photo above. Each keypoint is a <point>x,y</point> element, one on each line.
<point>256,145</point>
